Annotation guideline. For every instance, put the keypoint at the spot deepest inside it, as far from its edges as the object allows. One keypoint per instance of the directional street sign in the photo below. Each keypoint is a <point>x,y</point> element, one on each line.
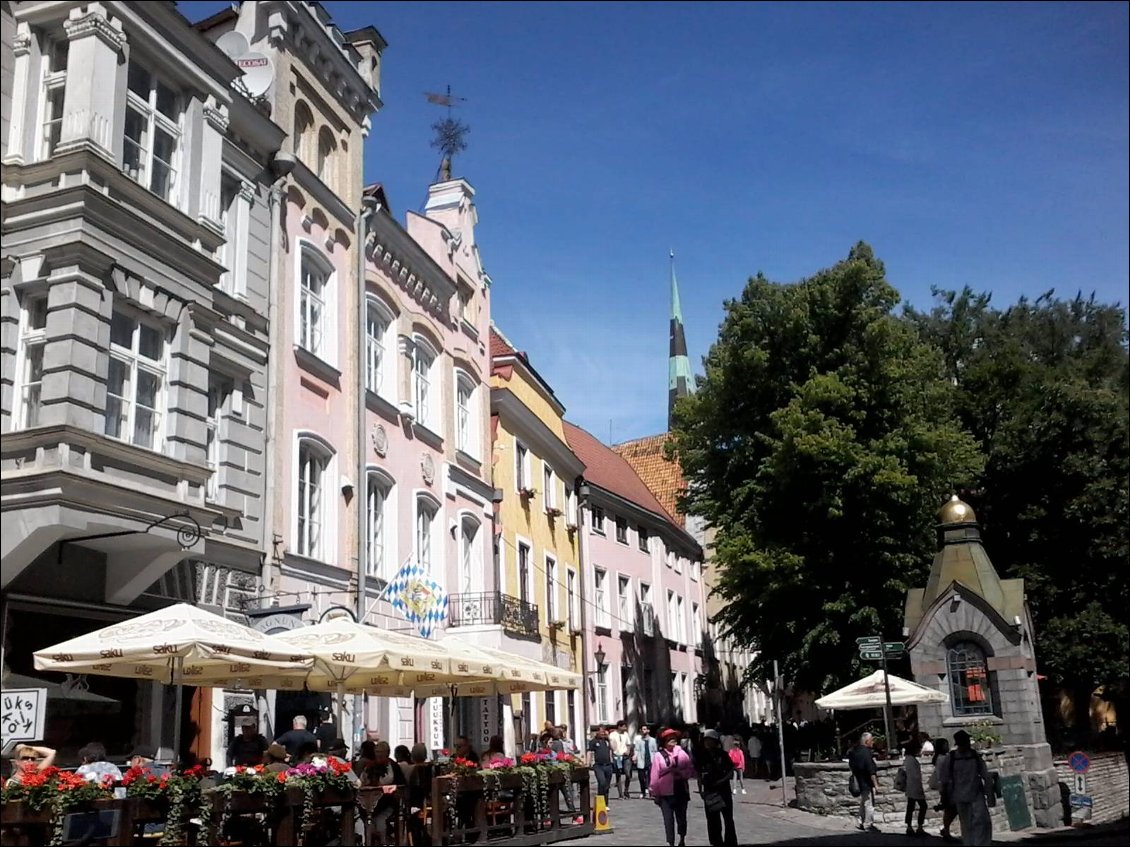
<point>871,655</point>
<point>868,639</point>
<point>895,647</point>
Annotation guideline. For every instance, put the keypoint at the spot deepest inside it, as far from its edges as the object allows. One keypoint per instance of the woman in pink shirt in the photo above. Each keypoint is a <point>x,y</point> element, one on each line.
<point>671,772</point>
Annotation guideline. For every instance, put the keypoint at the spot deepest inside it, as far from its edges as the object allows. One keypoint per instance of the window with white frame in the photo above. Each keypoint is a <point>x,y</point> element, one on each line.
<point>470,560</point>
<point>678,564</point>
<point>229,213</point>
<point>549,488</point>
<point>427,546</point>
<point>680,620</point>
<point>622,530</point>
<point>624,597</point>
<point>696,624</point>
<point>312,524</point>
<point>573,600</point>
<point>33,344</point>
<point>600,594</point>
<point>570,506</point>
<point>378,323</point>
<point>423,366</point>
<point>551,589</point>
<point>602,692</point>
<point>642,538</point>
<point>597,515</point>
<point>135,383</point>
<point>521,467</point>
<point>327,152</point>
<point>152,132</point>
<point>315,279</point>
<point>672,620</point>
<point>379,525</point>
<point>524,573</point>
<point>219,390</point>
<point>466,415</point>
<point>54,65</point>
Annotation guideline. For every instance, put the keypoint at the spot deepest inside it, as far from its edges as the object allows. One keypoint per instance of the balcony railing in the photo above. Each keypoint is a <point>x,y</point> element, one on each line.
<point>514,615</point>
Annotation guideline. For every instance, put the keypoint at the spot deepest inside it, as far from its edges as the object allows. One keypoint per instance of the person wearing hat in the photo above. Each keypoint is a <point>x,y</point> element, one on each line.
<point>248,747</point>
<point>275,758</point>
<point>966,783</point>
<point>671,773</point>
<point>715,770</point>
<point>144,756</point>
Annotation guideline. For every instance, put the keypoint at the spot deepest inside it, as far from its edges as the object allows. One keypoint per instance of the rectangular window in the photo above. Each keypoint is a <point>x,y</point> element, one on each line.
<point>219,390</point>
<point>425,520</point>
<point>678,564</point>
<point>672,620</point>
<point>549,488</point>
<point>54,64</point>
<point>597,513</point>
<point>602,693</point>
<point>570,506</point>
<point>376,534</point>
<point>466,424</point>
<point>135,385</point>
<point>311,505</point>
<point>573,600</point>
<point>622,530</point>
<point>600,578</point>
<point>680,620</point>
<point>152,133</point>
<point>423,358</point>
<point>624,597</point>
<point>33,344</point>
<point>229,218</point>
<point>524,573</point>
<point>376,330</point>
<point>696,624</point>
<point>641,538</point>
<point>551,590</point>
<point>551,707</point>
<point>521,467</point>
<point>312,305</point>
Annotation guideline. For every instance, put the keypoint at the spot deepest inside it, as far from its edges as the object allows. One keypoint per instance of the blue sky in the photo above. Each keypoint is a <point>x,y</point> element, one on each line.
<point>979,144</point>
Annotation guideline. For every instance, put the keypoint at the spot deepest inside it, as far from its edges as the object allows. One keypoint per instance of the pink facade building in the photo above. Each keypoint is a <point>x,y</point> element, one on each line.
<point>645,606</point>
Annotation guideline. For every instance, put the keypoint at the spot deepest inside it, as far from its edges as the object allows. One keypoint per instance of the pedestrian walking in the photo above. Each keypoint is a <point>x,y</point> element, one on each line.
<point>600,760</point>
<point>946,806</point>
<point>715,770</point>
<point>646,750</point>
<point>737,756</point>
<point>915,791</point>
<point>861,760</point>
<point>965,779</point>
<point>671,772</point>
<point>753,746</point>
<point>621,741</point>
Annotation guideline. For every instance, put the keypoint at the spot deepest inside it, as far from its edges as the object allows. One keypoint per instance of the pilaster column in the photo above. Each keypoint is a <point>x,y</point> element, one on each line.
<point>94,80</point>
<point>215,127</point>
<point>406,373</point>
<point>23,99</point>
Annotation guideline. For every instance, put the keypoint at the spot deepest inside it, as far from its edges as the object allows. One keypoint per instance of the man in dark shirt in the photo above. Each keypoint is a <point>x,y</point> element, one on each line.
<point>294,738</point>
<point>248,747</point>
<point>861,760</point>
<point>600,758</point>
<point>326,733</point>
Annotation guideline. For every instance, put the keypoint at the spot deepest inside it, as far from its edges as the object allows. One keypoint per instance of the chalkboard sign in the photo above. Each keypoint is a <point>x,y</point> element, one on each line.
<point>1015,802</point>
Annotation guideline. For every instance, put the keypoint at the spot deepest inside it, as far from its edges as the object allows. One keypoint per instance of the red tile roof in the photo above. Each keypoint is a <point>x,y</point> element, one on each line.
<point>663,476</point>
<point>610,471</point>
<point>499,346</point>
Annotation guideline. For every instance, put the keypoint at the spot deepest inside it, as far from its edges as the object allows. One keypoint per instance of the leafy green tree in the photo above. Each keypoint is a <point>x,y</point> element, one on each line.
<point>1044,385</point>
<point>820,445</point>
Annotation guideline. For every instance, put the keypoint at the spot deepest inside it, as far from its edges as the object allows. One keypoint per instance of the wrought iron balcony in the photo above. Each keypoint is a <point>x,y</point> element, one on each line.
<point>493,607</point>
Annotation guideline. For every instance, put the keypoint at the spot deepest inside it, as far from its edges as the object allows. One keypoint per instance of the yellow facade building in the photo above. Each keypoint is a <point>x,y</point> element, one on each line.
<point>537,539</point>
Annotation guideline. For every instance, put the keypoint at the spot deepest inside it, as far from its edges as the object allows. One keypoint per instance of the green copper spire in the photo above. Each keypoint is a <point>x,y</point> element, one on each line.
<point>680,379</point>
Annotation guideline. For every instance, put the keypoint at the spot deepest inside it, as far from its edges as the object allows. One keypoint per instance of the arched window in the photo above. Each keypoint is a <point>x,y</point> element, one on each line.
<point>429,549</point>
<point>466,415</point>
<point>423,361</point>
<point>380,525</point>
<point>313,524</point>
<point>315,304</point>
<point>303,130</point>
<point>470,554</point>
<point>378,355</point>
<point>327,149</point>
<point>968,671</point>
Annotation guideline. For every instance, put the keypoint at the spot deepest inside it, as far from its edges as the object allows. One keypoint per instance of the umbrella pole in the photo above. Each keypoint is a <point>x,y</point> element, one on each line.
<point>178,691</point>
<point>341,708</point>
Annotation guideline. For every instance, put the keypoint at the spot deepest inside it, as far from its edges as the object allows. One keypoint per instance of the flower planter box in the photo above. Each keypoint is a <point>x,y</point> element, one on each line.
<point>22,825</point>
<point>292,828</point>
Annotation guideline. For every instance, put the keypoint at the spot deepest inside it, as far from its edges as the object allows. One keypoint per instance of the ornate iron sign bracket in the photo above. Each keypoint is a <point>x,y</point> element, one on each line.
<point>188,533</point>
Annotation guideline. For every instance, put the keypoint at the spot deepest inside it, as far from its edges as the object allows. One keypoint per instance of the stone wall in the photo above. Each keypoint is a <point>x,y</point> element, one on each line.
<point>1107,783</point>
<point>822,788</point>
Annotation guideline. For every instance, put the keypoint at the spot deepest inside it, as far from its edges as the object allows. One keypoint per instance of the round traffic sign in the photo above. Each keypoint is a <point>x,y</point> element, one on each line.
<point>1079,762</point>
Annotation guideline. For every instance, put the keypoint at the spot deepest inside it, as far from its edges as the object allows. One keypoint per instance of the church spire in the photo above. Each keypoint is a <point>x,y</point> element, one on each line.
<point>680,382</point>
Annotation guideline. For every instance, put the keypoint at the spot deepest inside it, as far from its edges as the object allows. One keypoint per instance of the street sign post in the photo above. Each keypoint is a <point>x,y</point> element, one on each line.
<point>1079,761</point>
<point>869,639</point>
<point>871,655</point>
<point>893,647</point>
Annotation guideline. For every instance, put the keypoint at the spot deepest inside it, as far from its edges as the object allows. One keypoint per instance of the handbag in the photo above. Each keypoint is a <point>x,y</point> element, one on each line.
<point>713,801</point>
<point>900,779</point>
<point>853,786</point>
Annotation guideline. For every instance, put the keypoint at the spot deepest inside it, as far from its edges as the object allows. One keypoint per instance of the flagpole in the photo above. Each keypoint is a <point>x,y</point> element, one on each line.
<point>388,584</point>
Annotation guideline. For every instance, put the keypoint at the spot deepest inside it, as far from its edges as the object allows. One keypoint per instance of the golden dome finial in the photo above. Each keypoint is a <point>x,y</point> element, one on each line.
<point>956,511</point>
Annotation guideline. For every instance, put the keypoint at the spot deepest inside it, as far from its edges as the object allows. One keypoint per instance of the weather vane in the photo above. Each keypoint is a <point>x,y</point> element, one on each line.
<point>449,132</point>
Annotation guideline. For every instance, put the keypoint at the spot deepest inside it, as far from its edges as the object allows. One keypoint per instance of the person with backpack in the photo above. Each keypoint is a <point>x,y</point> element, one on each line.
<point>911,771</point>
<point>671,773</point>
<point>965,780</point>
<point>865,772</point>
<point>946,806</point>
<point>737,756</point>
<point>715,768</point>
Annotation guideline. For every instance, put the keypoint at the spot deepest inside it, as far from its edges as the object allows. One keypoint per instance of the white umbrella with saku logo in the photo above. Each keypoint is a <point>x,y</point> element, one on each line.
<point>176,645</point>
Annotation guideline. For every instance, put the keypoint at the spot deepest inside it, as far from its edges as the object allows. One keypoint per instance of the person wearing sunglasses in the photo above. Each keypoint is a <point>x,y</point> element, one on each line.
<point>29,759</point>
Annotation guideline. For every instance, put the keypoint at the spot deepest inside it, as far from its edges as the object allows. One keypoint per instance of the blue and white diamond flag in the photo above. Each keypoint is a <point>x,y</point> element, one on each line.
<point>419,598</point>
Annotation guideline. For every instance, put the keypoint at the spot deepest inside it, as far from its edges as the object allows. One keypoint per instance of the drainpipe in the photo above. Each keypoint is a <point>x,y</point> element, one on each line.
<point>582,489</point>
<point>369,206</point>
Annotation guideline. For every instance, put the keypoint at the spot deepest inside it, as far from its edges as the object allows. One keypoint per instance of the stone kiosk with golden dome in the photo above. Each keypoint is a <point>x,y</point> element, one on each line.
<point>970,636</point>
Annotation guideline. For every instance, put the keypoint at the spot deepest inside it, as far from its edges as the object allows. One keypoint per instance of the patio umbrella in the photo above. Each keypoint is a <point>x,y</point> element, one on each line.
<point>178,644</point>
<point>868,693</point>
<point>519,674</point>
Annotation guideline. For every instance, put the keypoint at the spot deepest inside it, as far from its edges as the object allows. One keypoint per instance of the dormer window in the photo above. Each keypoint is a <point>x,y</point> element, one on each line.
<point>152,133</point>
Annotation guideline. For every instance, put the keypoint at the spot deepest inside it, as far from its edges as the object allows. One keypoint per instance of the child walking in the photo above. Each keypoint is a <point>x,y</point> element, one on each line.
<point>737,756</point>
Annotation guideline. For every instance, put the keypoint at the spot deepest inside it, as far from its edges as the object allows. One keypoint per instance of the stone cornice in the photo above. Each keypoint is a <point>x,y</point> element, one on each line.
<point>217,118</point>
<point>520,421</point>
<point>390,248</point>
<point>659,525</point>
<point>95,22</point>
